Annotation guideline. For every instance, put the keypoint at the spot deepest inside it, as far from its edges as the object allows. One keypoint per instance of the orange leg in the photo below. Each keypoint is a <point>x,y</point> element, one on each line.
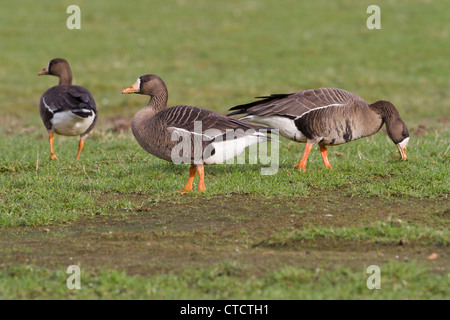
<point>323,151</point>
<point>188,186</point>
<point>51,137</point>
<point>302,164</point>
<point>80,147</point>
<point>201,177</point>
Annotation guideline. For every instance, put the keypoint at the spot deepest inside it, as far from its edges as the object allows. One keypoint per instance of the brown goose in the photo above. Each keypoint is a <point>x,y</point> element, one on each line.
<point>326,117</point>
<point>207,137</point>
<point>66,109</point>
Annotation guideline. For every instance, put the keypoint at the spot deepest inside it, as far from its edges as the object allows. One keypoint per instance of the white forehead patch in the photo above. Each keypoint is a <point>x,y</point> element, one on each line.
<point>138,81</point>
<point>404,142</point>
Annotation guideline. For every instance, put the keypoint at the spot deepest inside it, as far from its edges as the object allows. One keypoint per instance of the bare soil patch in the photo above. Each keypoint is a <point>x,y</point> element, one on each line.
<point>169,236</point>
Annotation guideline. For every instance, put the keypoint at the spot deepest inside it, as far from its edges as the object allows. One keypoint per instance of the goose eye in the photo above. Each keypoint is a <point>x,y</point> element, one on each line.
<point>405,134</point>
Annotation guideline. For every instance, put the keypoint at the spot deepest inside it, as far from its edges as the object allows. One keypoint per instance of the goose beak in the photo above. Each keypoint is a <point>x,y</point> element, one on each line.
<point>43,71</point>
<point>402,148</point>
<point>133,89</point>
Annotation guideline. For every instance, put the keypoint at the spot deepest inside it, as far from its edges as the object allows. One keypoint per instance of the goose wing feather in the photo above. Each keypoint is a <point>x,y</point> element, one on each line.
<point>62,98</point>
<point>210,123</point>
<point>66,98</point>
<point>295,104</point>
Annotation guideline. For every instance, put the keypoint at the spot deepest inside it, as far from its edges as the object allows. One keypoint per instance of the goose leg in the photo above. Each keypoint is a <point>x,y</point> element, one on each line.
<point>188,186</point>
<point>201,176</point>
<point>51,137</point>
<point>80,147</point>
<point>323,151</point>
<point>302,164</point>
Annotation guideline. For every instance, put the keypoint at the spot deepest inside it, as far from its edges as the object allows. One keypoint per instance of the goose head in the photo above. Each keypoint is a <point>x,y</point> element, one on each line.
<point>60,68</point>
<point>148,84</point>
<point>398,132</point>
<point>395,127</point>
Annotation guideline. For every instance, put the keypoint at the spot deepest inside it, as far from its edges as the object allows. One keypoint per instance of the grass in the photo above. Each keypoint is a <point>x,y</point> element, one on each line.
<point>224,281</point>
<point>217,55</point>
<point>112,163</point>
<point>378,233</point>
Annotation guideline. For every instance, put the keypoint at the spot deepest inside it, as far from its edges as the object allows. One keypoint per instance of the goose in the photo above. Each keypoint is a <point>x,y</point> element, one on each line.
<point>66,109</point>
<point>207,137</point>
<point>327,117</point>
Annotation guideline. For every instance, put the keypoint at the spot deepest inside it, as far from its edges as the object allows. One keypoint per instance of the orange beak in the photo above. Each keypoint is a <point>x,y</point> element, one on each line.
<point>403,153</point>
<point>133,89</point>
<point>42,72</point>
<point>402,148</point>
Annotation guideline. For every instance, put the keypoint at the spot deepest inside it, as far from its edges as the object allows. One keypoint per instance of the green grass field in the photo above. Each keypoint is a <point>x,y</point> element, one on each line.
<point>117,214</point>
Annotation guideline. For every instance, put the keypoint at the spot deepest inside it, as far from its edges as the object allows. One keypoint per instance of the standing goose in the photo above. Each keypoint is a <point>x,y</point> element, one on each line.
<point>66,109</point>
<point>326,117</point>
<point>205,134</point>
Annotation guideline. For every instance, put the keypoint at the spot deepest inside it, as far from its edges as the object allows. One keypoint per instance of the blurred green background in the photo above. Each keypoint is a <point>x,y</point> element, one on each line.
<point>217,54</point>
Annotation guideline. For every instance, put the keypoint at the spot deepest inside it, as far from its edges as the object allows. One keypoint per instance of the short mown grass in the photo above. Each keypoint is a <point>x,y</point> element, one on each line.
<point>228,281</point>
<point>39,191</point>
<point>378,233</point>
<point>216,55</point>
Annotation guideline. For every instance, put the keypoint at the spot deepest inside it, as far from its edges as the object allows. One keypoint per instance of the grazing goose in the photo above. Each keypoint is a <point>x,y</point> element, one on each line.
<point>158,130</point>
<point>326,117</point>
<point>66,109</point>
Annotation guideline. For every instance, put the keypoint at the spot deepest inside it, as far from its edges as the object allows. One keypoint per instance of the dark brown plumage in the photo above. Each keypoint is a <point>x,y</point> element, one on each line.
<point>66,109</point>
<point>326,117</point>
<point>187,134</point>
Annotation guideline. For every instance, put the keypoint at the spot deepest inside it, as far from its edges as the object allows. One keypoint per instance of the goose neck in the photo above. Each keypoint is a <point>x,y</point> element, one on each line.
<point>385,109</point>
<point>65,78</point>
<point>158,101</point>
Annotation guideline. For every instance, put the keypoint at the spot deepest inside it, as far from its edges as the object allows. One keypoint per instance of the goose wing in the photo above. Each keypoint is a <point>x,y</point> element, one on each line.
<point>295,104</point>
<point>76,99</point>
<point>220,137</point>
<point>209,124</point>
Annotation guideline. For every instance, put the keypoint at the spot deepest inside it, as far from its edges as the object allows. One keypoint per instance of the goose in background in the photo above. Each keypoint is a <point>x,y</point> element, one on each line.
<point>158,130</point>
<point>66,109</point>
<point>326,117</point>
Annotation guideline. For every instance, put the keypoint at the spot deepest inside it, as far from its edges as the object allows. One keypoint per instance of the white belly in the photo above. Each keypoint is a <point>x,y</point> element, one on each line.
<point>285,126</point>
<point>68,124</point>
<point>228,149</point>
